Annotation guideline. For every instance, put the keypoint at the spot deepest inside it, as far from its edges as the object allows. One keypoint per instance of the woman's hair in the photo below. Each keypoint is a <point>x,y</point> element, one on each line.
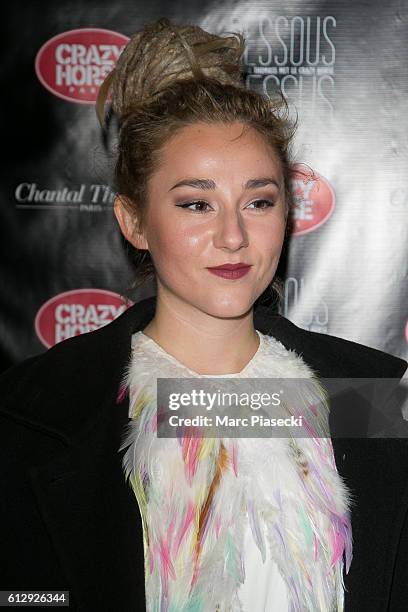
<point>171,76</point>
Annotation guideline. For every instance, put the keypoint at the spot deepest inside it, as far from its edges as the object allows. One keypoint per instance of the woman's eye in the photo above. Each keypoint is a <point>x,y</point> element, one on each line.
<point>197,203</point>
<point>268,203</point>
<point>202,207</point>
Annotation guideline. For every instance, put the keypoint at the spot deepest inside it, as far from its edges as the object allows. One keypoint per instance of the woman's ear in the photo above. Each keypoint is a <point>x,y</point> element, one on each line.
<point>128,224</point>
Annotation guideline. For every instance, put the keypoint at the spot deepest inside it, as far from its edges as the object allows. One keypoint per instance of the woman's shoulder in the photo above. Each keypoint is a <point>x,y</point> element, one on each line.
<point>330,356</point>
<point>363,382</point>
<point>90,355</point>
<point>361,359</point>
<point>69,378</point>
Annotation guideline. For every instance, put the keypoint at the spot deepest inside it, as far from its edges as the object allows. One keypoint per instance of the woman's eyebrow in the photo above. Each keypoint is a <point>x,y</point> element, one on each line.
<point>210,184</point>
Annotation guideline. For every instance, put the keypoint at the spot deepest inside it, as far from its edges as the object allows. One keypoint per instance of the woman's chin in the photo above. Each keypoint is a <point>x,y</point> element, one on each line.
<point>230,309</point>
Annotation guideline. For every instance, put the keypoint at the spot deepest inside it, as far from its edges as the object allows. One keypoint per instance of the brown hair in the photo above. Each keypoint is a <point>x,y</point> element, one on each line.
<point>170,76</point>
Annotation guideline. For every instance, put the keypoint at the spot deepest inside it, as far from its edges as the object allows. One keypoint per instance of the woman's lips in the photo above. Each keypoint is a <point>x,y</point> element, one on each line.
<point>233,273</point>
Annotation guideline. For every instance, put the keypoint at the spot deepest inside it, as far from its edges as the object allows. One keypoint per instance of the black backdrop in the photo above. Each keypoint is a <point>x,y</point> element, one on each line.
<point>342,66</point>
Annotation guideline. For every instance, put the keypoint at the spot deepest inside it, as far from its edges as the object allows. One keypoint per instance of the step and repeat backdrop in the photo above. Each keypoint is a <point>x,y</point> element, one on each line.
<point>341,64</point>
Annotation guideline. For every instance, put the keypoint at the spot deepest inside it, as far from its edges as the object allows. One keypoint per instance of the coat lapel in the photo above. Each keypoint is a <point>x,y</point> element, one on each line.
<point>93,518</point>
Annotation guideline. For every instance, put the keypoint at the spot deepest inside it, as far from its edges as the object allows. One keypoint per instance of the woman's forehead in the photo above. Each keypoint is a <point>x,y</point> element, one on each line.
<point>236,132</point>
<point>207,148</point>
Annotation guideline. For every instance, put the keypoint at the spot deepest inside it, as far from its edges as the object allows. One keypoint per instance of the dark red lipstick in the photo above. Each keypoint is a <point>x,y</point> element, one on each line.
<point>230,271</point>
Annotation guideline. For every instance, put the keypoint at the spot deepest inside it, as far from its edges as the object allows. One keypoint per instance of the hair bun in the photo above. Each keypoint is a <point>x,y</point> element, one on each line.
<point>163,53</point>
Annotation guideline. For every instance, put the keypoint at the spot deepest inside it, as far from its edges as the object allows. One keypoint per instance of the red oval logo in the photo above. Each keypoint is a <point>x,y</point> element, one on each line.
<point>77,312</point>
<point>314,200</point>
<point>73,64</point>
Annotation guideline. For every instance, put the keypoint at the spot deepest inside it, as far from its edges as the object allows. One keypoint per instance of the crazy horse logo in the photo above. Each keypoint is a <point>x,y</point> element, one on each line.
<point>77,312</point>
<point>313,200</point>
<point>73,64</point>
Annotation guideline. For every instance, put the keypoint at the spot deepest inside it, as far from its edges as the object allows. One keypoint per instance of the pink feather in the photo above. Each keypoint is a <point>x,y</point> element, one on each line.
<point>122,392</point>
<point>184,526</point>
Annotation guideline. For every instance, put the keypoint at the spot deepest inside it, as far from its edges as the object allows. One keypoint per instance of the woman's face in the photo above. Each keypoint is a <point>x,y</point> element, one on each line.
<point>217,198</point>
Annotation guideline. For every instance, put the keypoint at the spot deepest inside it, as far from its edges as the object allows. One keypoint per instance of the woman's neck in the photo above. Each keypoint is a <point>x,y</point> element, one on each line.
<point>205,344</point>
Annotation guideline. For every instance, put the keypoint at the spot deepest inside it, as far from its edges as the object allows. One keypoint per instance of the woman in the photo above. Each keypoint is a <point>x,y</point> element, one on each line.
<point>202,179</point>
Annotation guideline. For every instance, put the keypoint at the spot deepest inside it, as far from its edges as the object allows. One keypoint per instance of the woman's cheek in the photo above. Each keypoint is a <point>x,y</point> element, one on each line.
<point>173,260</point>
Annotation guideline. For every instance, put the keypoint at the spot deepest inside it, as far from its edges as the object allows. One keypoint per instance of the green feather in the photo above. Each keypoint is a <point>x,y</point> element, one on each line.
<point>305,524</point>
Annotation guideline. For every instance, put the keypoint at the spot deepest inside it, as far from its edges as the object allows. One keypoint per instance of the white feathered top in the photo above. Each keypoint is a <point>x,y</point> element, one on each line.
<point>236,523</point>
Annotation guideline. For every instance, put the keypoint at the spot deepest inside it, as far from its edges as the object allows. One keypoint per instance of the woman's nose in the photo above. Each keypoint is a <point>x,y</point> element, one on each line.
<point>230,231</point>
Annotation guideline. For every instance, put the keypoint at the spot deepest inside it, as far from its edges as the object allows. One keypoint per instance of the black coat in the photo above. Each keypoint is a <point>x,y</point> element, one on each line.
<point>68,520</point>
